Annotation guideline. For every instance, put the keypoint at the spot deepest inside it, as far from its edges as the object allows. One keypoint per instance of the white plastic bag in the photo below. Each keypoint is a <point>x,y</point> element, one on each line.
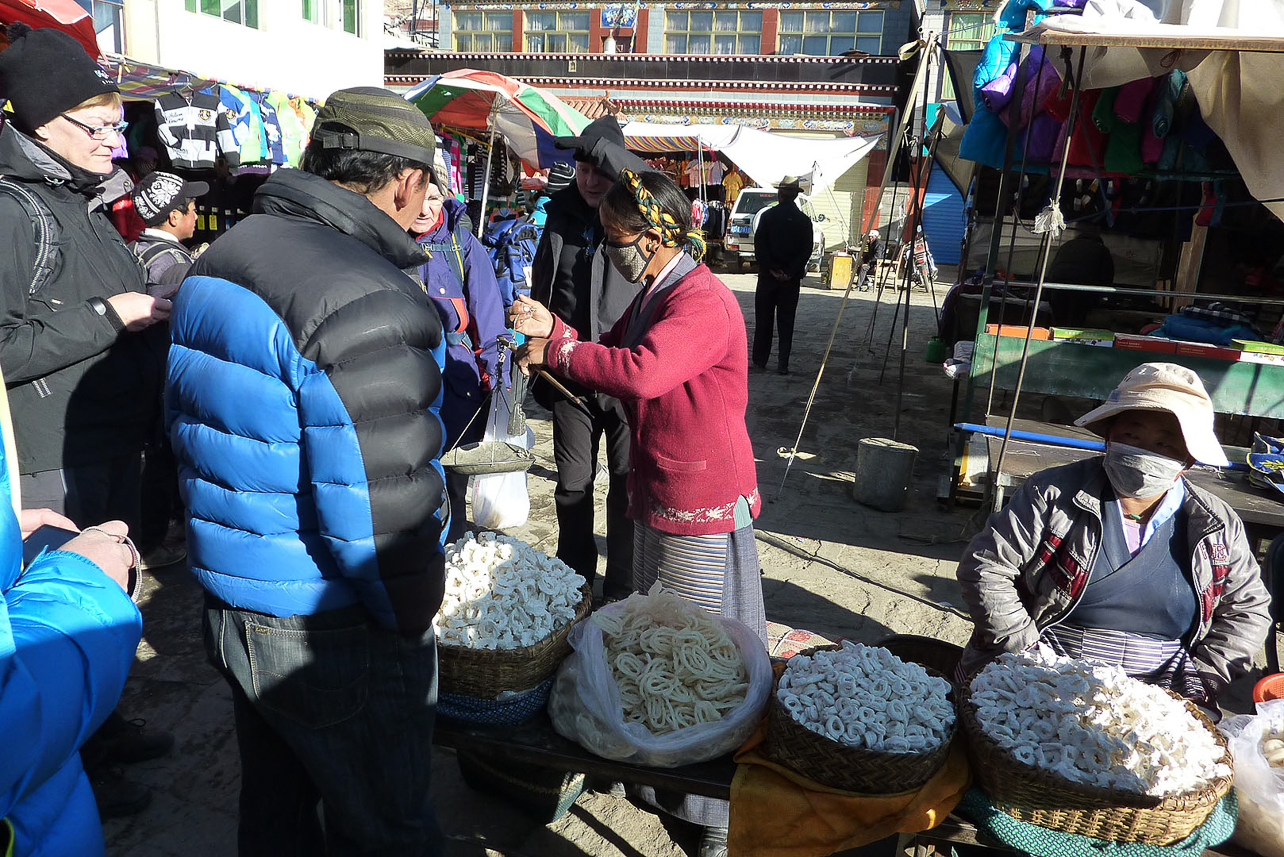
<point>500,500</point>
<point>1258,785</point>
<point>585,705</point>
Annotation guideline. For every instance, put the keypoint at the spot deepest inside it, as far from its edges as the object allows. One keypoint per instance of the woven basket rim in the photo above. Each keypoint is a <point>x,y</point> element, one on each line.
<point>581,611</point>
<point>920,765</point>
<point>1109,798</point>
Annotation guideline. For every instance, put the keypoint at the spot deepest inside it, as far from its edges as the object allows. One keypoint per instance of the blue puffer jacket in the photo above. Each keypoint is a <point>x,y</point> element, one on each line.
<point>302,397</point>
<point>67,639</point>
<point>461,285</point>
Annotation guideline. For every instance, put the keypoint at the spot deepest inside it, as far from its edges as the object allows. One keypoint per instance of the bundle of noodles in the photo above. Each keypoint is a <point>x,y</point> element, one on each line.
<point>674,664</point>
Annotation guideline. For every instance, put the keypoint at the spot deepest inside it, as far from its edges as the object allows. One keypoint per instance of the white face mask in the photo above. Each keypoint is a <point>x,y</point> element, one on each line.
<point>629,259</point>
<point>1136,473</point>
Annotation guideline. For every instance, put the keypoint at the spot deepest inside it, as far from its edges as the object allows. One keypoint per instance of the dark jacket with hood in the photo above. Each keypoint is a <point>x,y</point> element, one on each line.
<point>461,286</point>
<point>303,393</point>
<point>573,277</point>
<point>82,389</point>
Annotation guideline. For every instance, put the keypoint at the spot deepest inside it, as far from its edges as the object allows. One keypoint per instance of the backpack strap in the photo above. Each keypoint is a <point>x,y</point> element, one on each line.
<point>42,221</point>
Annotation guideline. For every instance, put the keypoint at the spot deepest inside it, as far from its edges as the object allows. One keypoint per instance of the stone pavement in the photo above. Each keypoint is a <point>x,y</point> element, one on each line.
<point>830,565</point>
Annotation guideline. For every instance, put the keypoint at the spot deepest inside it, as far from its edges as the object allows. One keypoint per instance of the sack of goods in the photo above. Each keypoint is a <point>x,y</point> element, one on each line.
<point>502,627</point>
<point>1081,747</point>
<point>1257,743</point>
<point>858,718</point>
<point>656,680</point>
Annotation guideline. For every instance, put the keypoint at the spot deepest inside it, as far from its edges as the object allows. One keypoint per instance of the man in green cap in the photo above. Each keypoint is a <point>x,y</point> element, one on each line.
<point>303,392</point>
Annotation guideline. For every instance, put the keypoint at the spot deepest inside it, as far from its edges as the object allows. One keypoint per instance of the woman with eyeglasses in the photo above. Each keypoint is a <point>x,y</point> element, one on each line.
<point>84,373</point>
<point>678,359</point>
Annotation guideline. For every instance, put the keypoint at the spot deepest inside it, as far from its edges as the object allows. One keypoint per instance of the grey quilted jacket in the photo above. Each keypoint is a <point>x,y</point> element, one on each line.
<point>1028,568</point>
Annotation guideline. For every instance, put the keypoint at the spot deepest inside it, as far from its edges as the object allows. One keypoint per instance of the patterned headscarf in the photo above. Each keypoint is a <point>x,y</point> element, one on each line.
<point>671,234</point>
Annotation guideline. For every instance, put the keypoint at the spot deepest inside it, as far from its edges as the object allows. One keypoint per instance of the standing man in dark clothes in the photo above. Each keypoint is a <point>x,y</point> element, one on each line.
<point>782,245</point>
<point>573,278</point>
<point>81,356</point>
<point>1083,261</point>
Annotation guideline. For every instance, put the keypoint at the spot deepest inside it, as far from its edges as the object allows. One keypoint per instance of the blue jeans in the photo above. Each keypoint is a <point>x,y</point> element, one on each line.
<point>331,709</point>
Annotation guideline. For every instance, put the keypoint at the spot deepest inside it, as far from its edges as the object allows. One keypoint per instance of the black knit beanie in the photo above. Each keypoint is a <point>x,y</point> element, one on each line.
<point>45,72</point>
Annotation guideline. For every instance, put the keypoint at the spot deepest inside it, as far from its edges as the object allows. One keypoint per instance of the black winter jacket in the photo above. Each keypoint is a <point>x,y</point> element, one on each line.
<point>303,391</point>
<point>783,240</point>
<point>605,291</point>
<point>81,388</point>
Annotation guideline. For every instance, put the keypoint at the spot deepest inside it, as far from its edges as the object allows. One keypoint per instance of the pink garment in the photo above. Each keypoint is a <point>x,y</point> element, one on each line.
<point>685,386</point>
<point>1131,101</point>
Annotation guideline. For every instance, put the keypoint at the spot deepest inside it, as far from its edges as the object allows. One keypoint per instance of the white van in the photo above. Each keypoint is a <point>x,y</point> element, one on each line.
<point>746,212</point>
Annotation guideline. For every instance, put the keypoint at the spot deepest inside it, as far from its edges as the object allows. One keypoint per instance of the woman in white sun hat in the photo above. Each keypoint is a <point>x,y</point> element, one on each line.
<point>1119,558</point>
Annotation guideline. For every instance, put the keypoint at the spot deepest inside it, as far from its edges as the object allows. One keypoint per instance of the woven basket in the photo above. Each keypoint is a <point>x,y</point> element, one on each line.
<point>924,651</point>
<point>486,673</point>
<point>1047,799</point>
<point>839,766</point>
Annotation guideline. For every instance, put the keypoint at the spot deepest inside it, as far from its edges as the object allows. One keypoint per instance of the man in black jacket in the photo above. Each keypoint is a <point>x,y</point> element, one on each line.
<point>303,399</point>
<point>782,245</point>
<point>573,278</point>
<point>82,366</point>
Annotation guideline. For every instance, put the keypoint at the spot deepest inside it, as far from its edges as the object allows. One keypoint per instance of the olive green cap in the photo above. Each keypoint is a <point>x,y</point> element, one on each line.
<point>371,119</point>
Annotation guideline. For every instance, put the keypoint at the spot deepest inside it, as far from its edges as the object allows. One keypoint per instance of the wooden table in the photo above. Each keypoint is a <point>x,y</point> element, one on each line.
<point>536,743</point>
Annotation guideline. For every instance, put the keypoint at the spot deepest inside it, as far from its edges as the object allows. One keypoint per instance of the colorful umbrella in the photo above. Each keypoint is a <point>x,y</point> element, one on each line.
<point>526,117</point>
<point>65,15</point>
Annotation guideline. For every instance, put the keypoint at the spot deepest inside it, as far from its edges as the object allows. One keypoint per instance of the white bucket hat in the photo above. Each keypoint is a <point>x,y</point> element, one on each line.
<point>1165,387</point>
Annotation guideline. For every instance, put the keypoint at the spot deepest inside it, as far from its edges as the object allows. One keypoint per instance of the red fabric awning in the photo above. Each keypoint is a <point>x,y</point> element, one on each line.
<point>66,15</point>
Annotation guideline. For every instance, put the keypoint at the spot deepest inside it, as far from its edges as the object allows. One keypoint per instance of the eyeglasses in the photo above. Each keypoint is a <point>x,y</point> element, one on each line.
<point>98,132</point>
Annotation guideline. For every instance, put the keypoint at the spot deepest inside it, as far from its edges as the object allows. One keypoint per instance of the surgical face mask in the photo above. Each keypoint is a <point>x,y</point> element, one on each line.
<point>628,258</point>
<point>1135,473</point>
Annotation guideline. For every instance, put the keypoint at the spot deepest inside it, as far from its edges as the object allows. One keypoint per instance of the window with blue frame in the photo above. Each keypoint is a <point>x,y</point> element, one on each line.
<point>108,23</point>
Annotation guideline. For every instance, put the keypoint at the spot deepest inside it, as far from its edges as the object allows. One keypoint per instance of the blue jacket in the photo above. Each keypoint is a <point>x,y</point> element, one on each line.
<point>302,398</point>
<point>471,313</point>
<point>67,640</point>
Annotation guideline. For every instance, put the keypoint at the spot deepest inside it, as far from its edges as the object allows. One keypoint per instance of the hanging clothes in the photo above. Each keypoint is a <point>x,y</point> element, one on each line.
<point>243,115</point>
<point>275,150</point>
<point>294,136</point>
<point>194,130</point>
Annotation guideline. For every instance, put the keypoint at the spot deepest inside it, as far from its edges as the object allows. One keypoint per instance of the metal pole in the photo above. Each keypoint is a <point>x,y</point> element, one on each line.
<point>928,49</point>
<point>490,154</point>
<point>1043,270</point>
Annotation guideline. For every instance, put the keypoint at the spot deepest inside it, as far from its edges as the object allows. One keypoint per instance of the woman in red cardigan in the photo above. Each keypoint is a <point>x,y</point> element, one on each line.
<point>678,359</point>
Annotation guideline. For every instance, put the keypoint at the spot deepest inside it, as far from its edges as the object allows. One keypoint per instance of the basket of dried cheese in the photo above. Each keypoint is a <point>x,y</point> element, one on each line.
<point>858,718</point>
<point>1083,748</point>
<point>657,680</point>
<point>507,611</point>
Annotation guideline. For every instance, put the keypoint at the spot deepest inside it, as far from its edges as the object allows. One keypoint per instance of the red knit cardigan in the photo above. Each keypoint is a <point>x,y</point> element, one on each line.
<point>685,386</point>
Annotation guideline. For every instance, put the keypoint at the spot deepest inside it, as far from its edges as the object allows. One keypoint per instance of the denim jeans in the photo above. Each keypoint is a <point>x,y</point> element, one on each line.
<point>331,709</point>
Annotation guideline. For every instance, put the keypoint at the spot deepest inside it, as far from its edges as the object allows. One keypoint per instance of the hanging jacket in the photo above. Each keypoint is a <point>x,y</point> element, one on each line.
<point>294,136</point>
<point>82,388</point>
<point>461,287</point>
<point>275,147</point>
<point>67,640</point>
<point>511,245</point>
<point>302,404</point>
<point>194,131</point>
<point>242,114</point>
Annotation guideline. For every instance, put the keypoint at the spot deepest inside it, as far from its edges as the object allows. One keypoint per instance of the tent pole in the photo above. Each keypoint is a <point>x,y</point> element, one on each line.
<point>928,48</point>
<point>490,154</point>
<point>1038,290</point>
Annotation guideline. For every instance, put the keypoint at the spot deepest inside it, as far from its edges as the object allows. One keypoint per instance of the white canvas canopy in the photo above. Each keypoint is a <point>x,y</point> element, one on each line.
<point>765,157</point>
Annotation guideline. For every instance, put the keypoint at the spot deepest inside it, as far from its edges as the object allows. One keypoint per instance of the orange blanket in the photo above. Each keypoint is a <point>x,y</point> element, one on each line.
<point>778,813</point>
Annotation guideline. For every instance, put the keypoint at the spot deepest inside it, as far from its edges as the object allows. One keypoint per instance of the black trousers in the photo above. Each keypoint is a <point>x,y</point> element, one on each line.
<point>89,493</point>
<point>576,439</point>
<point>774,301</point>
